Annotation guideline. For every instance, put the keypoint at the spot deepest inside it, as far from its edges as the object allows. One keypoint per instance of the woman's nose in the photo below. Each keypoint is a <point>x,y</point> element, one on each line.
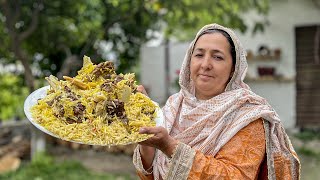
<point>206,64</point>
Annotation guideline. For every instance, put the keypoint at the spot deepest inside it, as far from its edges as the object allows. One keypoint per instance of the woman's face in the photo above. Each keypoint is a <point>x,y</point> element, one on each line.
<point>211,65</point>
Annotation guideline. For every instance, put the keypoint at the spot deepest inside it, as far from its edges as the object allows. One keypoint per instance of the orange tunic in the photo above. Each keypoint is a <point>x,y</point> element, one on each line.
<point>240,158</point>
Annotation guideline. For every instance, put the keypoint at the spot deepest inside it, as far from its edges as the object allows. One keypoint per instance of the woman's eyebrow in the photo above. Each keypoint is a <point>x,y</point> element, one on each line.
<point>217,51</point>
<point>213,50</point>
<point>199,49</point>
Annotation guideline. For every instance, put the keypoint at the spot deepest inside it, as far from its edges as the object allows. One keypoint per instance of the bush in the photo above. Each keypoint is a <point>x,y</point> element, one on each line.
<point>13,95</point>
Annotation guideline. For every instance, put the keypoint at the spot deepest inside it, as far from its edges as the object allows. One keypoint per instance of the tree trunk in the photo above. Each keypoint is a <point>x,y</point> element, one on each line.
<point>37,137</point>
<point>71,63</point>
<point>22,56</point>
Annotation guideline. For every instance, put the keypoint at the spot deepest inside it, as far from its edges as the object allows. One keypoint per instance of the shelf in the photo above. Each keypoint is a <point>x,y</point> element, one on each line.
<point>266,58</point>
<point>269,79</point>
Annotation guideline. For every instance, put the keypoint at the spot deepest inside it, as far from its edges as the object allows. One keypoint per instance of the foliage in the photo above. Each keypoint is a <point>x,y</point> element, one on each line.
<point>13,93</point>
<point>4,41</point>
<point>126,25</point>
<point>76,27</point>
<point>47,34</point>
<point>308,152</point>
<point>183,18</point>
<point>44,167</point>
<point>308,135</point>
<point>65,24</point>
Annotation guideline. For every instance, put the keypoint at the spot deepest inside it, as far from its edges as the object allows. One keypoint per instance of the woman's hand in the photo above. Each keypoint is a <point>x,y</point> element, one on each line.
<point>147,153</point>
<point>141,89</point>
<point>161,139</point>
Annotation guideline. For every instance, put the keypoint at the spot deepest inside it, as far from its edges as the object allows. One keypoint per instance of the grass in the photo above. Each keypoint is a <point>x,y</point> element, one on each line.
<point>43,167</point>
<point>306,136</point>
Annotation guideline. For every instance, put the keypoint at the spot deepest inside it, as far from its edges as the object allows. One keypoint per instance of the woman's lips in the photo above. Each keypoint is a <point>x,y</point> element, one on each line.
<point>205,77</point>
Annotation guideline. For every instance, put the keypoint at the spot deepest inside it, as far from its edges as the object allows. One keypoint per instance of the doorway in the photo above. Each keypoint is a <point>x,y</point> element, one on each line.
<point>308,76</point>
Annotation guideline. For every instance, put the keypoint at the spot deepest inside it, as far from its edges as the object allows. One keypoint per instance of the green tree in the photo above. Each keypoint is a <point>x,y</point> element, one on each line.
<point>183,18</point>
<point>46,27</point>
<point>55,34</point>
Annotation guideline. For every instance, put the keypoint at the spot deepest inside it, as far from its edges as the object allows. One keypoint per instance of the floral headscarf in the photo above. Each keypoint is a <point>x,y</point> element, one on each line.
<point>207,125</point>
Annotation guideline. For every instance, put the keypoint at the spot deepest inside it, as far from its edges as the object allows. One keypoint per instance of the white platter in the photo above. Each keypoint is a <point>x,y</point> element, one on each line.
<point>33,98</point>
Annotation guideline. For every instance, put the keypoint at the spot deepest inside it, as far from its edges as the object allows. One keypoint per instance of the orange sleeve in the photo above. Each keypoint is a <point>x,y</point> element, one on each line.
<point>240,158</point>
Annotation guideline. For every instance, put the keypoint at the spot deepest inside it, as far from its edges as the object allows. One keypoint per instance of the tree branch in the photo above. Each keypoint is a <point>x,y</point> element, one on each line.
<point>9,19</point>
<point>17,11</point>
<point>88,44</point>
<point>34,22</point>
<point>66,49</point>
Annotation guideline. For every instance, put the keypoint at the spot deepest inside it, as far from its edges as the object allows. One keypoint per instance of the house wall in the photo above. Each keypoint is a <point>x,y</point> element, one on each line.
<point>284,16</point>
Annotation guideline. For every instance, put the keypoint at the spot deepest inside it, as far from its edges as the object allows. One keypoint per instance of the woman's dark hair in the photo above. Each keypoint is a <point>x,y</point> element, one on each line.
<point>225,34</point>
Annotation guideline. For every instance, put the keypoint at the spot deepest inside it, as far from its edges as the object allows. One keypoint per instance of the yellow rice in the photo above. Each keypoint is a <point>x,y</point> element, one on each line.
<point>94,130</point>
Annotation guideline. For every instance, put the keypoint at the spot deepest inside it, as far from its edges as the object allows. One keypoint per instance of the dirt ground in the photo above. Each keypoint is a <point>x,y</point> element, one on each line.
<point>97,161</point>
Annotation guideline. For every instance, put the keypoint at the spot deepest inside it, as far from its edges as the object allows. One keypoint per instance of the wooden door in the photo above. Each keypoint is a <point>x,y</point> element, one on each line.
<point>308,76</point>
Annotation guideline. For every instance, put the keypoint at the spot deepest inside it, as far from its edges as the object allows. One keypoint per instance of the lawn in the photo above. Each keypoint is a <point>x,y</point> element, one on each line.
<point>44,167</point>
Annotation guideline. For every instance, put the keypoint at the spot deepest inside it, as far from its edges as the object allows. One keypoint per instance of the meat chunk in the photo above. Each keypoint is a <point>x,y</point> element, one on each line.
<point>118,78</point>
<point>78,111</point>
<point>104,69</point>
<point>60,111</point>
<point>107,86</point>
<point>115,108</point>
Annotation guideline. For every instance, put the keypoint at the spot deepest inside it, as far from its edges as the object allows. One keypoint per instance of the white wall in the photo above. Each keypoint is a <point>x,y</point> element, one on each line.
<point>284,16</point>
<point>153,72</point>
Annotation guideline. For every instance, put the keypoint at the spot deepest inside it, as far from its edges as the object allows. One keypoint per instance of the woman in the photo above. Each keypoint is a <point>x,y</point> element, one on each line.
<point>216,127</point>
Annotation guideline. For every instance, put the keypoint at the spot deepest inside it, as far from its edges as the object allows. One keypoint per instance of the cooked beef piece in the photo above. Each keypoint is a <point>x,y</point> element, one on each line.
<point>120,110</point>
<point>115,107</point>
<point>72,96</point>
<point>57,98</point>
<point>70,121</point>
<point>125,120</point>
<point>50,103</point>
<point>67,89</point>
<point>107,86</point>
<point>105,69</point>
<point>89,78</point>
<point>61,110</point>
<point>131,84</point>
<point>78,109</point>
<point>107,76</point>
<point>118,79</point>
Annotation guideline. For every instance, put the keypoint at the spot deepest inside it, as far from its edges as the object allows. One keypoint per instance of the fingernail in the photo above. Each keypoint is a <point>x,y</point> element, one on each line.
<point>142,130</point>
